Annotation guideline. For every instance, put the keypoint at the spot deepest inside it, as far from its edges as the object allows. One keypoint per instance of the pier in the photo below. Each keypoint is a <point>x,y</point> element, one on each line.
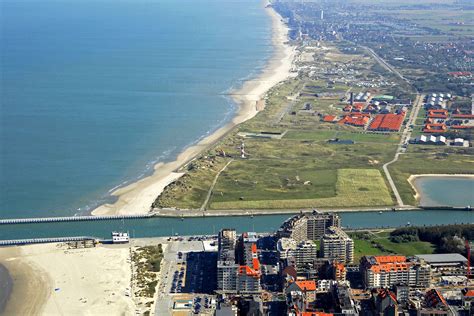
<point>18,242</point>
<point>71,219</point>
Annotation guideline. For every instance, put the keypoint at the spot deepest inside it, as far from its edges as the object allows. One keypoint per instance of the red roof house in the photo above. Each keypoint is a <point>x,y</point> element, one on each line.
<point>387,122</point>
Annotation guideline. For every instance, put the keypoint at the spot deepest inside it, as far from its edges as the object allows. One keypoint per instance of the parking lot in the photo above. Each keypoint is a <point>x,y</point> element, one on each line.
<point>184,288</point>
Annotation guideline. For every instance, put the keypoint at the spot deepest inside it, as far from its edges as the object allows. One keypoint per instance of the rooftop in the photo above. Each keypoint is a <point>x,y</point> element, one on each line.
<point>443,258</point>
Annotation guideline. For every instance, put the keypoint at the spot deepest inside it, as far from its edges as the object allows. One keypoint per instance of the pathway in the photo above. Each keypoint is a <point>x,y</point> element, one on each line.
<point>206,201</point>
<point>401,148</point>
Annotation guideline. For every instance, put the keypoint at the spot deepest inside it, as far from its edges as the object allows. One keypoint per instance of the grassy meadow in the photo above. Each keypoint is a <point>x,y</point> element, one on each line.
<point>369,243</point>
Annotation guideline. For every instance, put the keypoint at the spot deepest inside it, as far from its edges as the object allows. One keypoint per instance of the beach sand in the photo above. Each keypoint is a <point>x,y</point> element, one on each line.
<point>58,281</point>
<point>137,197</point>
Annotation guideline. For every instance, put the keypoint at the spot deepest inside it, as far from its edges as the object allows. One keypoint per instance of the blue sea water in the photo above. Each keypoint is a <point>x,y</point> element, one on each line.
<point>94,92</point>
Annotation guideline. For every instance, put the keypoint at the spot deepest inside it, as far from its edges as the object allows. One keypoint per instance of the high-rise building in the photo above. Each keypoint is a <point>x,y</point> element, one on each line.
<point>385,271</point>
<point>227,268</point>
<point>305,252</point>
<point>308,226</point>
<point>300,253</point>
<point>337,245</point>
<point>238,266</point>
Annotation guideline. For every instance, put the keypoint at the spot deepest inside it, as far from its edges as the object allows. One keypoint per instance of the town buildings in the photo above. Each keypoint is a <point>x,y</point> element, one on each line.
<point>385,271</point>
<point>276,275</point>
<point>238,266</point>
<point>299,253</point>
<point>308,226</point>
<point>337,245</point>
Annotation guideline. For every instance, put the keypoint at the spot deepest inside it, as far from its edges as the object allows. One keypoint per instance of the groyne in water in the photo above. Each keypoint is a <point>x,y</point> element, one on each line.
<point>18,242</point>
<point>70,219</point>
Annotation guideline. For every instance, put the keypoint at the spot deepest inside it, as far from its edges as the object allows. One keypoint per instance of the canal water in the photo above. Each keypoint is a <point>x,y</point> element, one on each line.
<point>157,227</point>
<point>445,191</point>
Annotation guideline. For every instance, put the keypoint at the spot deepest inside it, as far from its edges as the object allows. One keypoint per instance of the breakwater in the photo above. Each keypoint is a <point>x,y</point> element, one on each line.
<point>70,219</point>
<point>18,242</point>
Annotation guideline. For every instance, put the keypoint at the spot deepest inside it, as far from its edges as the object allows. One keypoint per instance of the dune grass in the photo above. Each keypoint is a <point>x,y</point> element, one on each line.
<point>353,188</point>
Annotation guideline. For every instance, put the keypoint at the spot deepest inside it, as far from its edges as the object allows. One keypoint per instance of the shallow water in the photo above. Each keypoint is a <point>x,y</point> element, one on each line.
<point>445,191</point>
<point>6,285</point>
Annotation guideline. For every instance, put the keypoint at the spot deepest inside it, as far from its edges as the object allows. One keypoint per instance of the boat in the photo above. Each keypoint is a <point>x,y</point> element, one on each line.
<point>120,238</point>
<point>380,212</point>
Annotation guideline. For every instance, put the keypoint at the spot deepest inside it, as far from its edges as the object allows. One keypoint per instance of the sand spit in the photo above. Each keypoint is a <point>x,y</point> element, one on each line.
<point>137,197</point>
<point>50,279</point>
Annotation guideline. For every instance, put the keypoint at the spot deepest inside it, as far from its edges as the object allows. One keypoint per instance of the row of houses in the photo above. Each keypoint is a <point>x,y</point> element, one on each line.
<point>440,140</point>
<point>390,122</point>
<point>440,121</point>
<point>437,101</point>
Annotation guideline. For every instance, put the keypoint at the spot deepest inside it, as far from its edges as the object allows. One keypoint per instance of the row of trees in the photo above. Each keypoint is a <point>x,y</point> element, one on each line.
<point>449,238</point>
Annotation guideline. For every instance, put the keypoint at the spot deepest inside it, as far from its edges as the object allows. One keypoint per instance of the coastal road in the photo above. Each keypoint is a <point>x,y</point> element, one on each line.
<point>401,148</point>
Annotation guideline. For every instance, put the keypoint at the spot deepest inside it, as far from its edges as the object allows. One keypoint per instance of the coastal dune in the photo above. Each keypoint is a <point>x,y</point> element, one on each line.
<point>137,197</point>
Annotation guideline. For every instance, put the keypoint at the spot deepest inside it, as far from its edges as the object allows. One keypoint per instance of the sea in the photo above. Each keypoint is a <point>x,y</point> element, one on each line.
<point>95,92</point>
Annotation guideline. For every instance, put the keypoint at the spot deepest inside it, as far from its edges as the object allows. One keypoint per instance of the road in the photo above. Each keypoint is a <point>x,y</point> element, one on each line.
<point>401,148</point>
<point>386,65</point>
<point>177,213</point>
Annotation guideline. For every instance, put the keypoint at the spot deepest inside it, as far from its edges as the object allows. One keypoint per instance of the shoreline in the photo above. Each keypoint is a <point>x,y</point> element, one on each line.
<point>6,284</point>
<point>137,197</point>
<point>87,280</point>
<point>28,279</point>
<point>412,180</point>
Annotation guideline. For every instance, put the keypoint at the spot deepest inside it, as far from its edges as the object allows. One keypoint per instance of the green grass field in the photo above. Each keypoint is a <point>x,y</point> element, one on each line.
<point>353,187</point>
<point>380,244</point>
<point>302,170</point>
<point>323,135</point>
<point>429,159</point>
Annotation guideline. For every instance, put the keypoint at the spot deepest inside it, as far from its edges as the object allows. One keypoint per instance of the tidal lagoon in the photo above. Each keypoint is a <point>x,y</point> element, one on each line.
<point>457,191</point>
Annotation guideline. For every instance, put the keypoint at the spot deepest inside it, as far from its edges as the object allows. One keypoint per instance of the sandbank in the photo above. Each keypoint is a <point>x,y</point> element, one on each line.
<point>138,197</point>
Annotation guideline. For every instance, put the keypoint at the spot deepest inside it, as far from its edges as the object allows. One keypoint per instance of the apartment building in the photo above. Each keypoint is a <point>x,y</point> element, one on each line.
<point>308,226</point>
<point>238,266</point>
<point>385,271</point>
<point>300,253</point>
<point>337,245</point>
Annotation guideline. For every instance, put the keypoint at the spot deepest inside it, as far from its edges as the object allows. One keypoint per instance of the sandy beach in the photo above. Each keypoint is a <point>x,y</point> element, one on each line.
<point>137,197</point>
<point>61,281</point>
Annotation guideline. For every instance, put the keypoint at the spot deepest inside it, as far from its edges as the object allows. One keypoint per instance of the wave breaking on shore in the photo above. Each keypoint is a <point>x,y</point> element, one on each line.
<point>137,197</point>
